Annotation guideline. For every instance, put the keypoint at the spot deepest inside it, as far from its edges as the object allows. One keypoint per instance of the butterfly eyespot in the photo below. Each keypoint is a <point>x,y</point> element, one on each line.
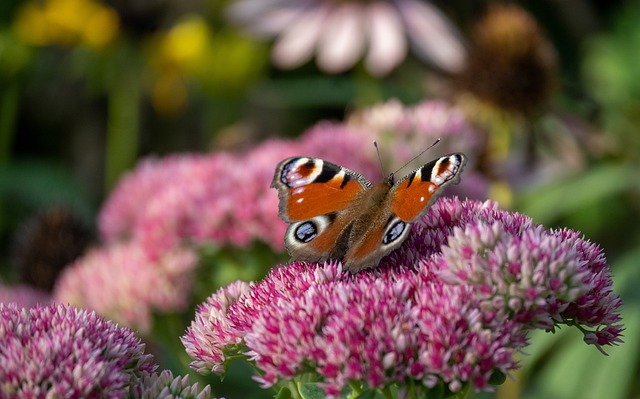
<point>306,232</point>
<point>394,232</point>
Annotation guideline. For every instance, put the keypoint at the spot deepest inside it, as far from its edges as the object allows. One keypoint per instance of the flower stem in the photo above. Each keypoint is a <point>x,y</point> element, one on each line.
<point>8,112</point>
<point>123,122</point>
<point>293,386</point>
<point>387,392</point>
<point>356,389</point>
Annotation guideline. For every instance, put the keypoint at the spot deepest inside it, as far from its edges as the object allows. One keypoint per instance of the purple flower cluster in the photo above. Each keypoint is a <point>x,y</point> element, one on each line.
<point>452,305</point>
<point>58,351</point>
<point>123,282</point>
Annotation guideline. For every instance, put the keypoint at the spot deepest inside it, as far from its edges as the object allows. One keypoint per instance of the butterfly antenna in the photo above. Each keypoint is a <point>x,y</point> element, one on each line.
<point>375,144</point>
<point>416,157</point>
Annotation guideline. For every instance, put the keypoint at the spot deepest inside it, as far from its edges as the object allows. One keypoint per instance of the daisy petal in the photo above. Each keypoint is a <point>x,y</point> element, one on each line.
<point>297,42</point>
<point>342,41</point>
<point>388,45</point>
<point>432,36</point>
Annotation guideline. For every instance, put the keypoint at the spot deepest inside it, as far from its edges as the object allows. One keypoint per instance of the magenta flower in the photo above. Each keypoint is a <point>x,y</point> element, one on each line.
<point>339,32</point>
<point>127,285</point>
<point>56,351</point>
<point>452,306</point>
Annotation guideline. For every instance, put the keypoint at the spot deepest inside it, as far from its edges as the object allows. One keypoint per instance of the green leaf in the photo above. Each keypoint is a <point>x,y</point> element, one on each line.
<point>310,390</point>
<point>30,186</point>
<point>284,393</point>
<point>549,203</point>
<point>368,394</point>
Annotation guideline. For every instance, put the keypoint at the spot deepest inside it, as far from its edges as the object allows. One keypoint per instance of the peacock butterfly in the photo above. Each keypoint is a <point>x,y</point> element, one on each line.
<point>335,213</point>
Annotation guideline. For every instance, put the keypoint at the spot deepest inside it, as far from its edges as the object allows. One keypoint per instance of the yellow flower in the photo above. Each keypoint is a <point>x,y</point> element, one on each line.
<point>67,23</point>
<point>219,62</point>
<point>186,44</point>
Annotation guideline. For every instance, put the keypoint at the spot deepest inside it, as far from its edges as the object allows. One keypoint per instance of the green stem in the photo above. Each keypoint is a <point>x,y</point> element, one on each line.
<point>387,392</point>
<point>123,123</point>
<point>463,393</point>
<point>8,113</point>
<point>368,89</point>
<point>356,389</point>
<point>293,386</point>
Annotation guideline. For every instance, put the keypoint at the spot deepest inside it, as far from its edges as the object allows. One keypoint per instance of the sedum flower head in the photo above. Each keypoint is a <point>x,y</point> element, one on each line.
<point>220,197</point>
<point>59,351</point>
<point>404,130</point>
<point>164,386</point>
<point>451,306</point>
<point>126,284</point>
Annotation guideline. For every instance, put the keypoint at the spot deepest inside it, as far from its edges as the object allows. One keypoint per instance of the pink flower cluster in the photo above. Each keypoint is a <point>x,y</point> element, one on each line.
<point>59,351</point>
<point>221,197</point>
<point>408,128</point>
<point>127,285</point>
<point>445,307</point>
<point>225,198</point>
<point>56,351</point>
<point>404,130</point>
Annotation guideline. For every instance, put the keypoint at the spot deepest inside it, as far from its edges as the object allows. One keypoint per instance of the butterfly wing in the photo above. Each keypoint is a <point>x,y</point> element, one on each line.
<point>315,198</point>
<point>405,202</point>
<point>412,196</point>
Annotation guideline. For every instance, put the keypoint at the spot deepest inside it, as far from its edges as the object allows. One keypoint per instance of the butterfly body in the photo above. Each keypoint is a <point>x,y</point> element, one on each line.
<point>335,213</point>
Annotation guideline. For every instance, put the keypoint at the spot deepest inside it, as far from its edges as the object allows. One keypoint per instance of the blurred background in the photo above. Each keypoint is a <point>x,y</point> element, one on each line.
<point>138,140</point>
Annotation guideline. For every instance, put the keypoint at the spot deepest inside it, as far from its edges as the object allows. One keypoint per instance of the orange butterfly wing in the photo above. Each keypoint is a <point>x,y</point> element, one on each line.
<point>406,201</point>
<point>309,187</point>
<point>334,212</point>
<point>412,196</point>
<point>315,198</point>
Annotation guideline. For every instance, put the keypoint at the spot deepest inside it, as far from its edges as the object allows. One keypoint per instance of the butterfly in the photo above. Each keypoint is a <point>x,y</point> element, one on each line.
<point>335,213</point>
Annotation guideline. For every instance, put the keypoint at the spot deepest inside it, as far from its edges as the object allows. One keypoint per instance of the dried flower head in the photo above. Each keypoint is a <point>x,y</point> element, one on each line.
<point>47,243</point>
<point>511,64</point>
<point>452,305</point>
